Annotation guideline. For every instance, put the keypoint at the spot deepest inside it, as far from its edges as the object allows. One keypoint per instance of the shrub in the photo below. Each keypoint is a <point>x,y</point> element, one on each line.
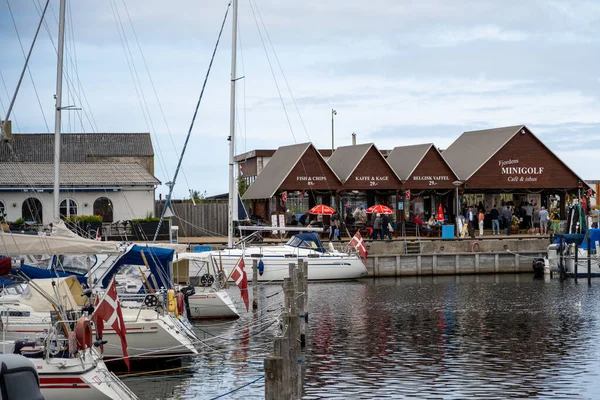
<point>20,221</point>
<point>147,219</point>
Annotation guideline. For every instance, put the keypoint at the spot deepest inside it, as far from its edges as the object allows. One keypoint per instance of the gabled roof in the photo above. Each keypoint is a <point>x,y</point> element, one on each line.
<point>76,147</point>
<point>473,149</point>
<point>75,174</point>
<point>277,170</point>
<point>346,159</point>
<point>404,159</point>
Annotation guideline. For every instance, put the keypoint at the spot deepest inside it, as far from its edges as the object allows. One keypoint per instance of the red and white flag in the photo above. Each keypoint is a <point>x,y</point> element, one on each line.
<point>108,309</point>
<point>98,235</point>
<point>241,280</point>
<point>359,244</point>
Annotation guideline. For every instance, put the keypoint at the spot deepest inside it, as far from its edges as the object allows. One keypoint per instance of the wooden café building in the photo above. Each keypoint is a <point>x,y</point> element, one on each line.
<point>486,168</point>
<point>510,165</point>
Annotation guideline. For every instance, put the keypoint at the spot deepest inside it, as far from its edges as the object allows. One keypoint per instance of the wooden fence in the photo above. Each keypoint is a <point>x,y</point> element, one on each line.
<point>202,219</point>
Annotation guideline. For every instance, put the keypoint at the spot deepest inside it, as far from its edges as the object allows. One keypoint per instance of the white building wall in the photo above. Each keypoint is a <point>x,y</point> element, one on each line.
<point>128,203</point>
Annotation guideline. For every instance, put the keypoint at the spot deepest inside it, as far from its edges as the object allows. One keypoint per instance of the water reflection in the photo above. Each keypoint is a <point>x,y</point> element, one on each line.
<point>496,336</point>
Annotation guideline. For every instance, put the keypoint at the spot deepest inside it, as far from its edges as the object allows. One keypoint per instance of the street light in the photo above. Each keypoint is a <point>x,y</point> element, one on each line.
<point>457,184</point>
<point>333,112</point>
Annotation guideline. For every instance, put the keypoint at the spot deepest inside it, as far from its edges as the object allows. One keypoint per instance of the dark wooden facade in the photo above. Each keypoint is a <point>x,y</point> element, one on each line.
<point>523,163</point>
<point>373,173</point>
<point>311,173</point>
<point>432,173</point>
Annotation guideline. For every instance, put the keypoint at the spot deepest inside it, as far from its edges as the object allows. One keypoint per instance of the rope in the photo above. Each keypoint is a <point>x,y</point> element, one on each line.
<point>238,388</point>
<point>187,139</point>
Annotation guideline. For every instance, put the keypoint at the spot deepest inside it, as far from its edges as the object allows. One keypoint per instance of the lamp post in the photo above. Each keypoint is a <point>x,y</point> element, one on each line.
<point>333,112</point>
<point>457,184</point>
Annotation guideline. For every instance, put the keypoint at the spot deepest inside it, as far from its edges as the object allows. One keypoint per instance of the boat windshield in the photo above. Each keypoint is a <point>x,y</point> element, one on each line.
<point>306,241</point>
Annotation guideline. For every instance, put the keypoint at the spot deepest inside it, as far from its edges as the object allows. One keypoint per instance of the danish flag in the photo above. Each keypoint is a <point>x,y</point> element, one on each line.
<point>108,309</point>
<point>241,280</point>
<point>359,244</point>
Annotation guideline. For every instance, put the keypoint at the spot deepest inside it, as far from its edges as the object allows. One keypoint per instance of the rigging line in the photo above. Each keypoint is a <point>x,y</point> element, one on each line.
<point>87,110</point>
<point>273,73</point>
<point>136,78</point>
<point>280,96</point>
<point>27,59</point>
<point>167,203</point>
<point>12,102</point>
<point>160,107</point>
<point>244,83</point>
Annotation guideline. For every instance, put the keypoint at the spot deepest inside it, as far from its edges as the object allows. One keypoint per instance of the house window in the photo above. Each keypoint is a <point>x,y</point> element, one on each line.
<point>2,210</point>
<point>103,207</point>
<point>68,207</point>
<point>32,210</point>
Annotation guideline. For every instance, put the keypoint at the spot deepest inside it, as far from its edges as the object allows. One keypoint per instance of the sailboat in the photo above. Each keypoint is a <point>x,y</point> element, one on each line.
<point>323,264</point>
<point>157,334</point>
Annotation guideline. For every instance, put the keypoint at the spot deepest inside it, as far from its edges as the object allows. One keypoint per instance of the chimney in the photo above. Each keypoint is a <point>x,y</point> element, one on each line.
<point>353,139</point>
<point>6,130</point>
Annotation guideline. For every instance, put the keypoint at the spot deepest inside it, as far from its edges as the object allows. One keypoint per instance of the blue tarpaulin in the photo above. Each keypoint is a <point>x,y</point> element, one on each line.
<point>39,273</point>
<point>158,261</point>
<point>594,235</point>
<point>569,238</point>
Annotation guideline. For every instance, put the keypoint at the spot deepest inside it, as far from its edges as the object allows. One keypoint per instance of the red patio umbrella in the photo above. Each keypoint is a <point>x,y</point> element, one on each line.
<point>440,213</point>
<point>321,209</point>
<point>380,209</point>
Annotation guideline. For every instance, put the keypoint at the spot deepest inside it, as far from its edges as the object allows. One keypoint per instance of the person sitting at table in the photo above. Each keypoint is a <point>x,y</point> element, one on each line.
<point>294,221</point>
<point>431,223</point>
<point>304,219</point>
<point>417,220</point>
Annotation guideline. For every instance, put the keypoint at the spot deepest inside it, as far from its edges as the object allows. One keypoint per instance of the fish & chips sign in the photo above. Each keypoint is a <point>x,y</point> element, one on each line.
<point>311,180</point>
<point>517,173</point>
<point>373,180</point>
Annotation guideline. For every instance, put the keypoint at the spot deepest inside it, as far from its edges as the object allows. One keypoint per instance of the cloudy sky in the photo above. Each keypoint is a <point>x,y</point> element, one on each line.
<point>397,72</point>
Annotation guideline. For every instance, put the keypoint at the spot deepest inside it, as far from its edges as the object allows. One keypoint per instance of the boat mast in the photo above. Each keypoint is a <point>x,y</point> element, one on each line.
<point>57,115</point>
<point>232,185</point>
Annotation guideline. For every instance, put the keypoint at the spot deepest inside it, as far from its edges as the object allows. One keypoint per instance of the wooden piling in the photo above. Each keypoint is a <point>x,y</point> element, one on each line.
<point>305,270</point>
<point>274,382</point>
<point>254,285</point>
<point>589,258</point>
<point>576,261</point>
<point>300,305</point>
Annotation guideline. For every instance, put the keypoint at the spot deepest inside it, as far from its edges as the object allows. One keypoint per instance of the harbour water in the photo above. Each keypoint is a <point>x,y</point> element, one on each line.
<point>466,337</point>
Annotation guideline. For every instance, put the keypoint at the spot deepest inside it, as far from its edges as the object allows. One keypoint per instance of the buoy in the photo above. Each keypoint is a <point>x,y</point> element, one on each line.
<point>83,333</point>
<point>180,308</point>
<point>171,305</point>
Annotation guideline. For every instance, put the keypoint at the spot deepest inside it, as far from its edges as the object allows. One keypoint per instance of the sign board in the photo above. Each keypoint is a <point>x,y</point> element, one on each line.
<point>432,180</point>
<point>284,196</point>
<point>373,180</point>
<point>274,224</point>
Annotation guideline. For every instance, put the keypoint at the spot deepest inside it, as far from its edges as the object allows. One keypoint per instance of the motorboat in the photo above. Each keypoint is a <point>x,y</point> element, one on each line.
<point>273,261</point>
<point>569,253</point>
<point>152,331</point>
<point>208,299</point>
<point>68,367</point>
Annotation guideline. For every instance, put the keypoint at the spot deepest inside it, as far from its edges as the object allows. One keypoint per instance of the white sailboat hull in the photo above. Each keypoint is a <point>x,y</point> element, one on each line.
<point>66,379</point>
<point>148,336</point>
<point>276,260</point>
<point>211,304</point>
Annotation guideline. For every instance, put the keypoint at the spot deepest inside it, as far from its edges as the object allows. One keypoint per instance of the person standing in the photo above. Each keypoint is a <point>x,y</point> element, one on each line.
<point>536,221</point>
<point>334,226</point>
<point>494,214</point>
<point>528,215</point>
<point>507,217</point>
<point>480,220</point>
<point>543,220</point>
<point>471,222</point>
<point>385,230</point>
<point>594,215</point>
<point>377,227</point>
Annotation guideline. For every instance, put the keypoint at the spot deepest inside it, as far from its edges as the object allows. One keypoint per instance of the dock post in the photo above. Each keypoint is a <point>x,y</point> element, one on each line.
<point>293,334</point>
<point>305,270</point>
<point>300,305</point>
<point>281,348</point>
<point>255,286</point>
<point>274,385</point>
<point>589,258</point>
<point>576,261</point>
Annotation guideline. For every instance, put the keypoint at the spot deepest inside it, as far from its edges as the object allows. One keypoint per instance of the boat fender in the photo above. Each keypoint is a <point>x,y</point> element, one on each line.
<point>72,342</point>
<point>180,307</point>
<point>83,333</point>
<point>151,300</point>
<point>171,306</point>
<point>207,280</point>
<point>261,267</point>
